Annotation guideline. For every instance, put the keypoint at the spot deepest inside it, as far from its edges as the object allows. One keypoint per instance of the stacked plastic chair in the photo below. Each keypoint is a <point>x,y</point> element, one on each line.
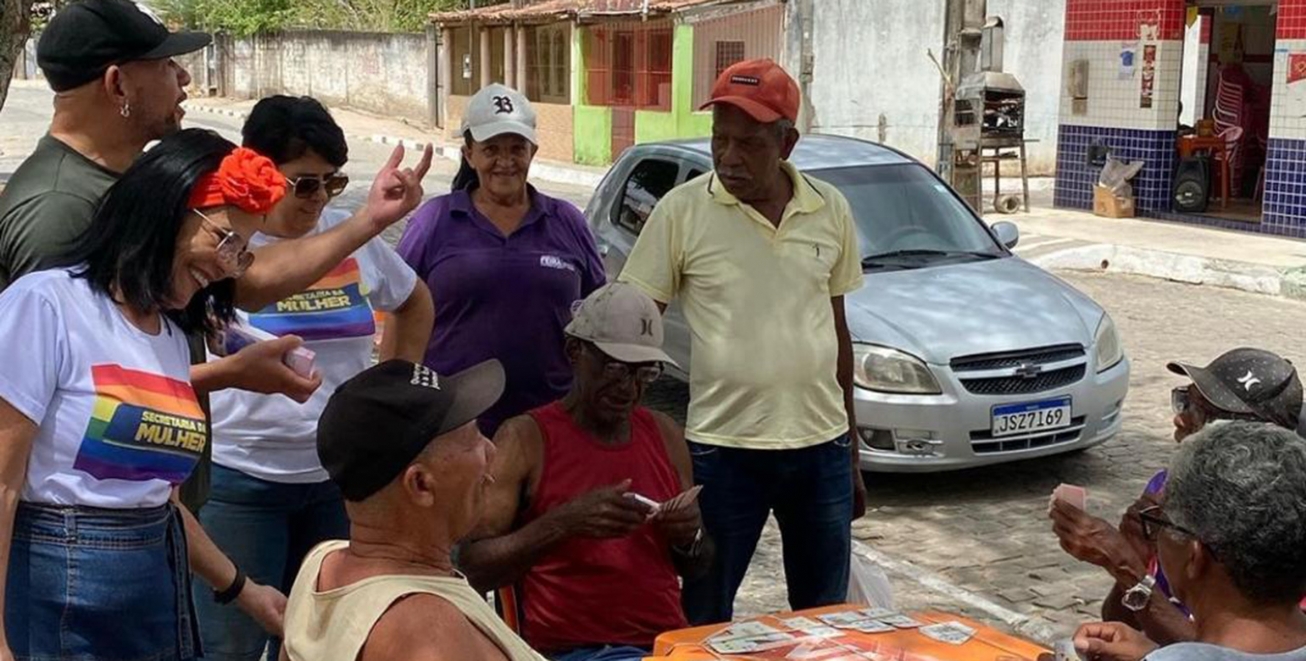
<point>1231,112</point>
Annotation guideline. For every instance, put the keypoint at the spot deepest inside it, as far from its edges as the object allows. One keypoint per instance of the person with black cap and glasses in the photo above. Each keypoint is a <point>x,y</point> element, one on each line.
<point>1242,384</point>
<point>117,89</point>
<point>401,442</point>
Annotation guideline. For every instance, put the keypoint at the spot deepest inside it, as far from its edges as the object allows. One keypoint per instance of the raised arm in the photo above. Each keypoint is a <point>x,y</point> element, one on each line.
<point>408,329</point>
<point>289,267</point>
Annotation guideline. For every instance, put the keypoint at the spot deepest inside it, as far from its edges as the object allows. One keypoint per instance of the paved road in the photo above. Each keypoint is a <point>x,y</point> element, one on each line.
<point>976,541</point>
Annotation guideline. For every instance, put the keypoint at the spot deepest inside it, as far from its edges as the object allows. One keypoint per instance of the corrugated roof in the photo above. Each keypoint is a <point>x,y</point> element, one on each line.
<point>565,9</point>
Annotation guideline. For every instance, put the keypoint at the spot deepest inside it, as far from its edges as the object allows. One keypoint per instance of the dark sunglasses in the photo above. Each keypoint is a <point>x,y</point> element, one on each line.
<point>616,371</point>
<point>1181,400</point>
<point>1154,521</point>
<point>306,187</point>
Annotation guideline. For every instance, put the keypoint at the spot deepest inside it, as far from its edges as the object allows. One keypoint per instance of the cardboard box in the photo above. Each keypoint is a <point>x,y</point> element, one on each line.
<point>1107,205</point>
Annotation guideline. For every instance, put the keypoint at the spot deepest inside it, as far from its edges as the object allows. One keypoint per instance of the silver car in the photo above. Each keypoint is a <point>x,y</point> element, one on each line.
<point>966,355</point>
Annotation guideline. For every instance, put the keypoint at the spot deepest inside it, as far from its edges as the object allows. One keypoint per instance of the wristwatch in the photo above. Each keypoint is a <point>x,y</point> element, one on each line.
<point>1136,598</point>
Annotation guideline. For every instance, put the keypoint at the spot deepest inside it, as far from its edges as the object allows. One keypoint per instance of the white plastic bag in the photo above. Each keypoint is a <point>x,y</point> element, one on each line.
<point>867,583</point>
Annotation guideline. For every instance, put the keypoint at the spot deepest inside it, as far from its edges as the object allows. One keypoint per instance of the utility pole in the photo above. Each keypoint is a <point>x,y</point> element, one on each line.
<point>806,64</point>
<point>953,19</point>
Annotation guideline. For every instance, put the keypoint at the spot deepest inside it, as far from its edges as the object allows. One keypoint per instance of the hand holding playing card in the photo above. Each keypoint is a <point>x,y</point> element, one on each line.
<point>678,519</point>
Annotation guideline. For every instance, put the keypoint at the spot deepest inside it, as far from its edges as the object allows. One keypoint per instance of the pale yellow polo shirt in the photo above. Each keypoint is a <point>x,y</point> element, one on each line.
<point>763,372</point>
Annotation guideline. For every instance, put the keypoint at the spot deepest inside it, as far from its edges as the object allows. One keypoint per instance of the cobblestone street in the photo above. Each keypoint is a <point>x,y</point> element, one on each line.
<point>985,532</point>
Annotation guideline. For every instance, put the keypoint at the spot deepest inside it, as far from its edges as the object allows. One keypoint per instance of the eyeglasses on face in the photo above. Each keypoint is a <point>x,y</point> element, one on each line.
<point>231,249</point>
<point>616,371</point>
<point>1154,520</point>
<point>306,187</point>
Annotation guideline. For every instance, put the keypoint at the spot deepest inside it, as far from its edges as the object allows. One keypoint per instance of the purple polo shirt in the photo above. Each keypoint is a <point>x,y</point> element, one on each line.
<point>504,297</point>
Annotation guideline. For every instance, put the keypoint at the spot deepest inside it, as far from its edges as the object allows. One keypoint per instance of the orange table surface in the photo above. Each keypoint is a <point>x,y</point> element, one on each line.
<point>988,644</point>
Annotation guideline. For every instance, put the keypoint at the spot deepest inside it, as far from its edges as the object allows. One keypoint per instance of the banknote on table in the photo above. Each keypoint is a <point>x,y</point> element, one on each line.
<point>901,622</point>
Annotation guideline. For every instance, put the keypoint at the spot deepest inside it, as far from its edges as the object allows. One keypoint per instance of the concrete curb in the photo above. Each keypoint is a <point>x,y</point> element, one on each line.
<point>554,173</point>
<point>1190,269</point>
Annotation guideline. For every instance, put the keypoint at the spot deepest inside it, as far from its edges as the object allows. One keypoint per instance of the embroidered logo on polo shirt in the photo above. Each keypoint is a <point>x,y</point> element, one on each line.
<point>555,262</point>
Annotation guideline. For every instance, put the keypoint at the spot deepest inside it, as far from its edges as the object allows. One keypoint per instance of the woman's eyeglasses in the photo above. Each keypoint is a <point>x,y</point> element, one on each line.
<point>306,187</point>
<point>231,249</point>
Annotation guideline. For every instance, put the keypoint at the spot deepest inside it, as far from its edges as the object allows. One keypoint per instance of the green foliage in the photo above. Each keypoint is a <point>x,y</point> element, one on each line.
<point>247,17</point>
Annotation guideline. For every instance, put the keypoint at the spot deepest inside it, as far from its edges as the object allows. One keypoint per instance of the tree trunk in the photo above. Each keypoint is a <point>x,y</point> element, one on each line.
<point>15,25</point>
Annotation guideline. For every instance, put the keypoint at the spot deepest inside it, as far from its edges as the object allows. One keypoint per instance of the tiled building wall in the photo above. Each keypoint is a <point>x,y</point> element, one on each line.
<point>1285,169</point>
<point>1095,30</point>
<point>1113,114</point>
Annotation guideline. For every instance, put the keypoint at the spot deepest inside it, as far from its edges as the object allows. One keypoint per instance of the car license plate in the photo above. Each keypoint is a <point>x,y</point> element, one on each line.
<point>1012,419</point>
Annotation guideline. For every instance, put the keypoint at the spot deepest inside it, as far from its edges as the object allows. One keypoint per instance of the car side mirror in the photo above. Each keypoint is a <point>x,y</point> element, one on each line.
<point>1007,233</point>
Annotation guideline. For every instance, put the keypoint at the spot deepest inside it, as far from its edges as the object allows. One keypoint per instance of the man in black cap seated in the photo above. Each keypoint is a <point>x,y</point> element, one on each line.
<point>402,444</point>
<point>1242,384</point>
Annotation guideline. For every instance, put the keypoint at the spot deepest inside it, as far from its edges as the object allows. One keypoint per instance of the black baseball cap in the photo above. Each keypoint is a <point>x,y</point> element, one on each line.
<point>86,38</point>
<point>1250,382</point>
<point>376,423</point>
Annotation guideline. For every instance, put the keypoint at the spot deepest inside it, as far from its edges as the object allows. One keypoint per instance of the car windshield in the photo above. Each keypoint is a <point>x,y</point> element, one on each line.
<point>904,211</point>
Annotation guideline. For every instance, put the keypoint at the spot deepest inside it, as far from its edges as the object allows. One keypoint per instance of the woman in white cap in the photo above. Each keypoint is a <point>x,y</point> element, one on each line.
<point>504,262</point>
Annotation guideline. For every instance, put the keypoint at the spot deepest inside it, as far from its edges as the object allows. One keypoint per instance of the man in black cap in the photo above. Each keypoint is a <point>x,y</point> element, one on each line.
<point>1242,384</point>
<point>402,444</point>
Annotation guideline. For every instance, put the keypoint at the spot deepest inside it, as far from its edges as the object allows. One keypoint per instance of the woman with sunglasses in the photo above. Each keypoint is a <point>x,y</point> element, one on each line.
<point>99,423</point>
<point>504,262</point>
<point>1229,532</point>
<point>271,501</point>
<point>1243,384</point>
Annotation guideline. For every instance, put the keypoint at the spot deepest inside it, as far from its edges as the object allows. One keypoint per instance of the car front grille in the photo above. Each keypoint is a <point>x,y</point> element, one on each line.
<point>997,361</point>
<point>1020,385</point>
<point>982,442</point>
<point>1021,372</point>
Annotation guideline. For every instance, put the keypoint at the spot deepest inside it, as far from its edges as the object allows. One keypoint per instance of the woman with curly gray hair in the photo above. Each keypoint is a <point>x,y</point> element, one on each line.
<point>1231,535</point>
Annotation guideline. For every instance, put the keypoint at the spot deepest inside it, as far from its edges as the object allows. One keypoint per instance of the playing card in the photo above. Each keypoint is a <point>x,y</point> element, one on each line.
<point>748,629</point>
<point>822,632</point>
<point>901,622</point>
<point>842,620</point>
<point>732,646</point>
<point>953,633</point>
<point>876,613</point>
<point>1072,495</point>
<point>683,499</point>
<point>871,626</point>
<point>800,623</point>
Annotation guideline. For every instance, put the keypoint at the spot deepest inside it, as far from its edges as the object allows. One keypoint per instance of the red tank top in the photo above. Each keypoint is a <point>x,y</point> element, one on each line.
<point>590,591</point>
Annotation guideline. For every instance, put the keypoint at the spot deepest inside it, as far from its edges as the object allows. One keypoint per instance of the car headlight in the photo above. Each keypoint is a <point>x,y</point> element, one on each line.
<point>889,370</point>
<point>1109,349</point>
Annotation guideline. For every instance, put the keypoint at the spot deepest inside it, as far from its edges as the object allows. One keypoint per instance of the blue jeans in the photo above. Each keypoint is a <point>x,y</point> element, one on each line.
<point>266,528</point>
<point>604,653</point>
<point>810,492</point>
<point>109,585</point>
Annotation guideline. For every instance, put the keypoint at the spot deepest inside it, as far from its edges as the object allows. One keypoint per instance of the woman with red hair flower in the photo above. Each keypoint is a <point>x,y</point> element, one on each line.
<point>98,420</point>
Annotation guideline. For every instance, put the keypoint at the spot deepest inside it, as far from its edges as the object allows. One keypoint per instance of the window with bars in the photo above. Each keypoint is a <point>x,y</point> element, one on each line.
<point>548,63</point>
<point>628,64</point>
<point>728,53</point>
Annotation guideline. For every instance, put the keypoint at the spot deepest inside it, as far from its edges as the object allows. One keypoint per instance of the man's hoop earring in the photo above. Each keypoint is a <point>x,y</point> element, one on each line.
<point>126,110</point>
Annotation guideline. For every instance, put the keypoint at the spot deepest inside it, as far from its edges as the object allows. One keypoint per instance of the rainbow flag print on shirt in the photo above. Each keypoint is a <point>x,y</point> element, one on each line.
<point>143,427</point>
<point>334,308</point>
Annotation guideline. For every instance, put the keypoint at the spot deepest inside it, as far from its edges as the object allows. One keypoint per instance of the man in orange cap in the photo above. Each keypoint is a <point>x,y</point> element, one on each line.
<point>761,258</point>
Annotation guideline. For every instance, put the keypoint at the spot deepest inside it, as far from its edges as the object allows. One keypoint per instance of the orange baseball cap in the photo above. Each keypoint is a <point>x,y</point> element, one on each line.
<point>761,88</point>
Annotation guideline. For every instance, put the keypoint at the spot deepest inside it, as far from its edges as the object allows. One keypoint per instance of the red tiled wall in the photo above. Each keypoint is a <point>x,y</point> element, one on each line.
<point>1292,19</point>
<point>1112,20</point>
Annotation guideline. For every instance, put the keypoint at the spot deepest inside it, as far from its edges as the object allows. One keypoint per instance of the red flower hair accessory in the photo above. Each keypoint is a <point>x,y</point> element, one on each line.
<point>246,179</point>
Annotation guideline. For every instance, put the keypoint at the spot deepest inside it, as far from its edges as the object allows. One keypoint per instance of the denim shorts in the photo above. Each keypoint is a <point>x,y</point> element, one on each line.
<point>111,585</point>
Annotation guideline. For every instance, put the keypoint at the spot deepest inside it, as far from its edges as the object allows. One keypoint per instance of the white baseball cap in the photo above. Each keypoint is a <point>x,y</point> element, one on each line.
<point>623,322</point>
<point>499,109</point>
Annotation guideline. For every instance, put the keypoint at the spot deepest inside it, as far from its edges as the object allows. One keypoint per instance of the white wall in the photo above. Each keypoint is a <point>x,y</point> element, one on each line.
<point>870,60</point>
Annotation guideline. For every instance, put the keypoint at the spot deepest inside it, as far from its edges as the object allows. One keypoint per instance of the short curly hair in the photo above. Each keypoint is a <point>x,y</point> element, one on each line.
<point>1240,487</point>
<point>284,128</point>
